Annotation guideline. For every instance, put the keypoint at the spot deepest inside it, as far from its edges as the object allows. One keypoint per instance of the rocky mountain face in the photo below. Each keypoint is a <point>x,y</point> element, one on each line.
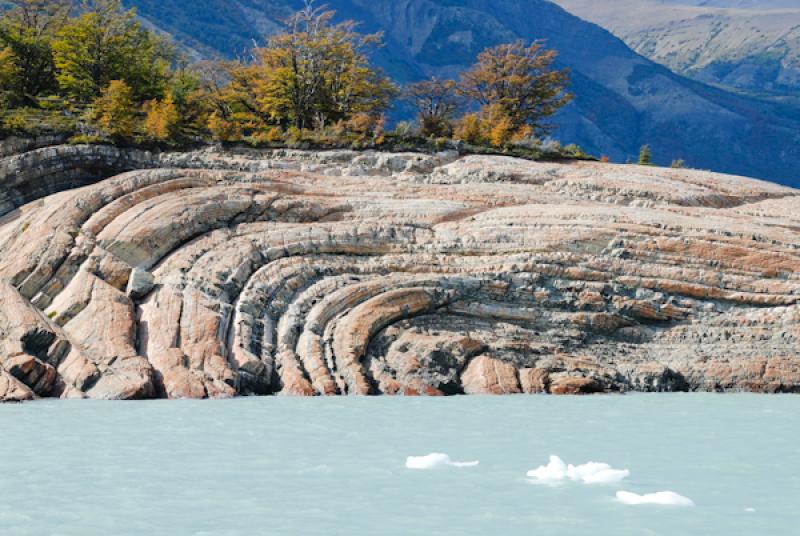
<point>622,99</point>
<point>220,273</point>
<point>752,46</point>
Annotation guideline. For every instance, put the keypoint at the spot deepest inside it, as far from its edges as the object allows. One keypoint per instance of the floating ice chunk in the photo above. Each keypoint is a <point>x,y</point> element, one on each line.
<point>464,464</point>
<point>662,497</point>
<point>554,471</point>
<point>750,510</point>
<point>606,476</point>
<point>579,472</point>
<point>588,473</point>
<point>427,462</point>
<point>435,459</point>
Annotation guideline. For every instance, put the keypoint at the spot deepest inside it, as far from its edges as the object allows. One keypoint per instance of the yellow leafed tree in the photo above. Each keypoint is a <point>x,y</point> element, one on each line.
<point>314,74</point>
<point>162,121</point>
<point>115,110</point>
<point>520,82</point>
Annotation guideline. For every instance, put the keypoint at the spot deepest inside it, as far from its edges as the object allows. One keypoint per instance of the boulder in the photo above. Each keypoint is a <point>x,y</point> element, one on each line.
<point>140,283</point>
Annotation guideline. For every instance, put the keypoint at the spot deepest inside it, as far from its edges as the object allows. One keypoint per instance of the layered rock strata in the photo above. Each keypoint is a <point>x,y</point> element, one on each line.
<point>213,274</point>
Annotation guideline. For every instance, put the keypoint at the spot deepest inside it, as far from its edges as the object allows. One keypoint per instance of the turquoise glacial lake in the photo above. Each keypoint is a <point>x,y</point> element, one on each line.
<point>336,466</point>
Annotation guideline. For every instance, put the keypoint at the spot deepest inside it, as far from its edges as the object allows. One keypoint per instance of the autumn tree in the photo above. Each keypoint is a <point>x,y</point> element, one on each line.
<point>470,130</point>
<point>499,125</point>
<point>115,110</point>
<point>162,121</point>
<point>184,110</point>
<point>520,82</point>
<point>26,33</point>
<point>435,102</point>
<point>215,101</point>
<point>237,97</point>
<point>314,74</point>
<point>107,43</point>
<point>491,126</point>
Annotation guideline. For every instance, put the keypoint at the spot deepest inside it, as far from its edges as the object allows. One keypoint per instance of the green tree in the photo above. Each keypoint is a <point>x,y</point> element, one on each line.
<point>115,110</point>
<point>9,73</point>
<point>190,101</point>
<point>26,33</point>
<point>521,80</point>
<point>645,156</point>
<point>107,43</point>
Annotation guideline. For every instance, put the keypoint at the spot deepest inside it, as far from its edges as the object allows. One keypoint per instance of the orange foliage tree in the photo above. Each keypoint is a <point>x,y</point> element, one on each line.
<point>516,85</point>
<point>313,75</point>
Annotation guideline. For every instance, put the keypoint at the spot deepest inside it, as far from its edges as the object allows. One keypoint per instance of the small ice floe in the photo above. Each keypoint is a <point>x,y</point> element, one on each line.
<point>669,498</point>
<point>596,473</point>
<point>588,473</point>
<point>750,510</point>
<point>433,460</point>
<point>554,471</point>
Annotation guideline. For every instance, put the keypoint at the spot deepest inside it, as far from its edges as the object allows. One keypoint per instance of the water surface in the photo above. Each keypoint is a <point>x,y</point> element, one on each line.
<point>330,466</point>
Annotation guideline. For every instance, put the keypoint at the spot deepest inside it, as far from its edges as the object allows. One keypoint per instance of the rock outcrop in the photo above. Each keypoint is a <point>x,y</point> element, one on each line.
<point>216,274</point>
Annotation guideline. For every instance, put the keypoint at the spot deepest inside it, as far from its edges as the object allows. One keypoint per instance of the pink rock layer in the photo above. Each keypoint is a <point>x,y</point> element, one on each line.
<point>216,274</point>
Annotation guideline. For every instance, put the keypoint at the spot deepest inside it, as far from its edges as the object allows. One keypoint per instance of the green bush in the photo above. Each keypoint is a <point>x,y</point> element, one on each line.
<point>678,164</point>
<point>86,139</point>
<point>35,122</point>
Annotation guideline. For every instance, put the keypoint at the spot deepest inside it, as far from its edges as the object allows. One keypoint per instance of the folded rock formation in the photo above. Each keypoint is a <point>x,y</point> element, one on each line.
<point>219,273</point>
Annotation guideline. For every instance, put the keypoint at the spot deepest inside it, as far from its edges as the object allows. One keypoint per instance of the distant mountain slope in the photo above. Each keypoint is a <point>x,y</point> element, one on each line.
<point>622,99</point>
<point>744,44</point>
<point>743,4</point>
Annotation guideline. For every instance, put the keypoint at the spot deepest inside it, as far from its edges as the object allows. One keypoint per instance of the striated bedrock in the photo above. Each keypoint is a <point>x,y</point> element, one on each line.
<point>222,273</point>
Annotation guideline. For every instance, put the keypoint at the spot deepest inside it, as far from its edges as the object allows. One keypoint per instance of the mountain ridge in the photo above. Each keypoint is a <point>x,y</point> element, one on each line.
<point>732,44</point>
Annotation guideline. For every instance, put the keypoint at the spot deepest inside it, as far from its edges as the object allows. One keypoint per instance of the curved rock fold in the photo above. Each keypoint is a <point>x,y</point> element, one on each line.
<point>224,273</point>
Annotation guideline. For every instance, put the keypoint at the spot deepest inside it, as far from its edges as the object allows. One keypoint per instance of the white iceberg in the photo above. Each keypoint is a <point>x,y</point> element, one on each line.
<point>554,471</point>
<point>588,473</point>
<point>596,473</point>
<point>433,460</point>
<point>669,498</point>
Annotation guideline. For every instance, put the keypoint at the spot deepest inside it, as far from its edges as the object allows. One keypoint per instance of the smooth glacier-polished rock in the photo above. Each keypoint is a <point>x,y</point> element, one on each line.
<point>221,273</point>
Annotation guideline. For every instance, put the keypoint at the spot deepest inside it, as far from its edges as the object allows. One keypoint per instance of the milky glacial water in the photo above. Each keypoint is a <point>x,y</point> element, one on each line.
<point>336,466</point>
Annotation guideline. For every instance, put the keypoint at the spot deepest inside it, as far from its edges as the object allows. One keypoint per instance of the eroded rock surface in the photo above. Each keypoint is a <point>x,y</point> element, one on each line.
<point>216,274</point>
